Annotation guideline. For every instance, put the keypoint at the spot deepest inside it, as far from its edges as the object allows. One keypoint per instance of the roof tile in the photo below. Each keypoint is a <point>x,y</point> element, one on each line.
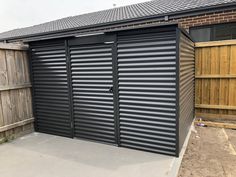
<point>155,7</point>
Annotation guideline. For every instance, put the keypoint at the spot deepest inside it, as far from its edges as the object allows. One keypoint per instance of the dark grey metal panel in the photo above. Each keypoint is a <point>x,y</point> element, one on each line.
<point>186,86</point>
<point>147,90</point>
<point>92,83</point>
<point>50,88</point>
<point>151,105</point>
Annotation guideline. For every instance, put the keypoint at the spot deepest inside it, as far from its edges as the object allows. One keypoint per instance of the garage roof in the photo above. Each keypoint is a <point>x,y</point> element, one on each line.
<point>155,8</point>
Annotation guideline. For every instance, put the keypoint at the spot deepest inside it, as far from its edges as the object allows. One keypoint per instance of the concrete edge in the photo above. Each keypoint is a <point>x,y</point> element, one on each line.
<point>176,162</point>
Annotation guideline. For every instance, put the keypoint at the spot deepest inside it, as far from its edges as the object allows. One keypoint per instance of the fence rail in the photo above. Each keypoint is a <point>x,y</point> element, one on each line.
<point>215,97</point>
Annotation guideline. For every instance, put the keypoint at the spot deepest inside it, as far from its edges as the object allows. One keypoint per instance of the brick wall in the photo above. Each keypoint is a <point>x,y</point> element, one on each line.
<point>207,19</point>
<point>185,22</point>
<point>199,20</point>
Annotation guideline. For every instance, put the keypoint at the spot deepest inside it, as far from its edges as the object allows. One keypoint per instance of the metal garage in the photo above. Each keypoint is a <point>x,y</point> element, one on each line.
<point>132,88</point>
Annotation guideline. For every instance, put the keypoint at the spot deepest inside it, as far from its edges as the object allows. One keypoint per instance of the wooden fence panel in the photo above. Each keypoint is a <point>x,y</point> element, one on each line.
<point>216,80</point>
<point>16,115</point>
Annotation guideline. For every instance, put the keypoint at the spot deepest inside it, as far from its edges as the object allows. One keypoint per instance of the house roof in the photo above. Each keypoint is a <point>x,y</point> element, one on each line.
<point>155,8</point>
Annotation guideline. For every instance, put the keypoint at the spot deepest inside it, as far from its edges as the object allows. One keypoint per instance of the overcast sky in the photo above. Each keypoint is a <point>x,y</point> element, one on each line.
<point>22,13</point>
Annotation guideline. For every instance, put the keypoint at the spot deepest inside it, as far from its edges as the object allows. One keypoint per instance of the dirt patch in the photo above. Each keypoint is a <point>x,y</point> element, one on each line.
<point>211,152</point>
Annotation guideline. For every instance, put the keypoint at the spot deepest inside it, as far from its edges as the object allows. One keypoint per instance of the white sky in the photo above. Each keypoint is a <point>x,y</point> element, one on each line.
<point>21,13</point>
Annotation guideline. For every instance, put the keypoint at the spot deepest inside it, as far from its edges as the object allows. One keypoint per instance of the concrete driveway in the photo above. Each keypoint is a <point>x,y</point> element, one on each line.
<point>42,155</point>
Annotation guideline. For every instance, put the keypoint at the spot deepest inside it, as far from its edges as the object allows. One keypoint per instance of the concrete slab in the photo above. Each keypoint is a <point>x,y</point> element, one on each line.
<point>42,155</point>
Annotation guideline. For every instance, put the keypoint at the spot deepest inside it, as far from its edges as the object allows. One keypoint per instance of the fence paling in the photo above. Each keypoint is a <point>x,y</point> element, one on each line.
<point>216,79</point>
<point>15,89</point>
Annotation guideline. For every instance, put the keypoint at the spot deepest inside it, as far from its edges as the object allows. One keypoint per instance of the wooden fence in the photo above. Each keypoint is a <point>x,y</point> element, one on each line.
<point>215,97</point>
<point>16,116</point>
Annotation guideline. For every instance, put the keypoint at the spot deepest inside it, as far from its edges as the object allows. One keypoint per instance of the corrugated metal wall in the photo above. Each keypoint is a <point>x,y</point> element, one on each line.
<point>134,88</point>
<point>186,86</point>
<point>147,90</point>
<point>50,88</point>
<point>92,82</point>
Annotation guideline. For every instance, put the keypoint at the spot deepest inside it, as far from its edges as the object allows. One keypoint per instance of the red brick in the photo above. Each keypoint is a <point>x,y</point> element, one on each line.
<point>206,19</point>
<point>219,18</point>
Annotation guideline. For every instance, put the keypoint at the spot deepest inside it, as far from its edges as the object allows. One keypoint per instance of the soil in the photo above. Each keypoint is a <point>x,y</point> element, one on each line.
<point>211,152</point>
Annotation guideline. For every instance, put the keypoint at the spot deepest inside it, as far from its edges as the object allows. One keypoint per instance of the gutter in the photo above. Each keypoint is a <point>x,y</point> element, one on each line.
<point>106,27</point>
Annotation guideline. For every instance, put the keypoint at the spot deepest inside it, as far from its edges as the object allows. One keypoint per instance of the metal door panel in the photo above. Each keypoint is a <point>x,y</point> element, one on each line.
<point>92,83</point>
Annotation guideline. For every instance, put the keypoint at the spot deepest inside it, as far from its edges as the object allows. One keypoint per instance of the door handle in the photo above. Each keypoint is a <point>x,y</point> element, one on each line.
<point>111,90</point>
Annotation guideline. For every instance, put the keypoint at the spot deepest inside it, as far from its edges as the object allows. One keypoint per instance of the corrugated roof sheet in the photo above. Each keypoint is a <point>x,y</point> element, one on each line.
<point>146,9</point>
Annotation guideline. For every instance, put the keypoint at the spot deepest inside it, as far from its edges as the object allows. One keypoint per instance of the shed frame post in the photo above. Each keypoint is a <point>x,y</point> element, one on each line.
<point>70,89</point>
<point>116,90</point>
<point>178,32</point>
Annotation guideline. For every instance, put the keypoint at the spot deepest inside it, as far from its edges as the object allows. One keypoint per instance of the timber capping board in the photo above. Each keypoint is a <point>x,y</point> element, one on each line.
<point>10,46</point>
<point>217,124</point>
<point>211,117</point>
<point>215,43</point>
